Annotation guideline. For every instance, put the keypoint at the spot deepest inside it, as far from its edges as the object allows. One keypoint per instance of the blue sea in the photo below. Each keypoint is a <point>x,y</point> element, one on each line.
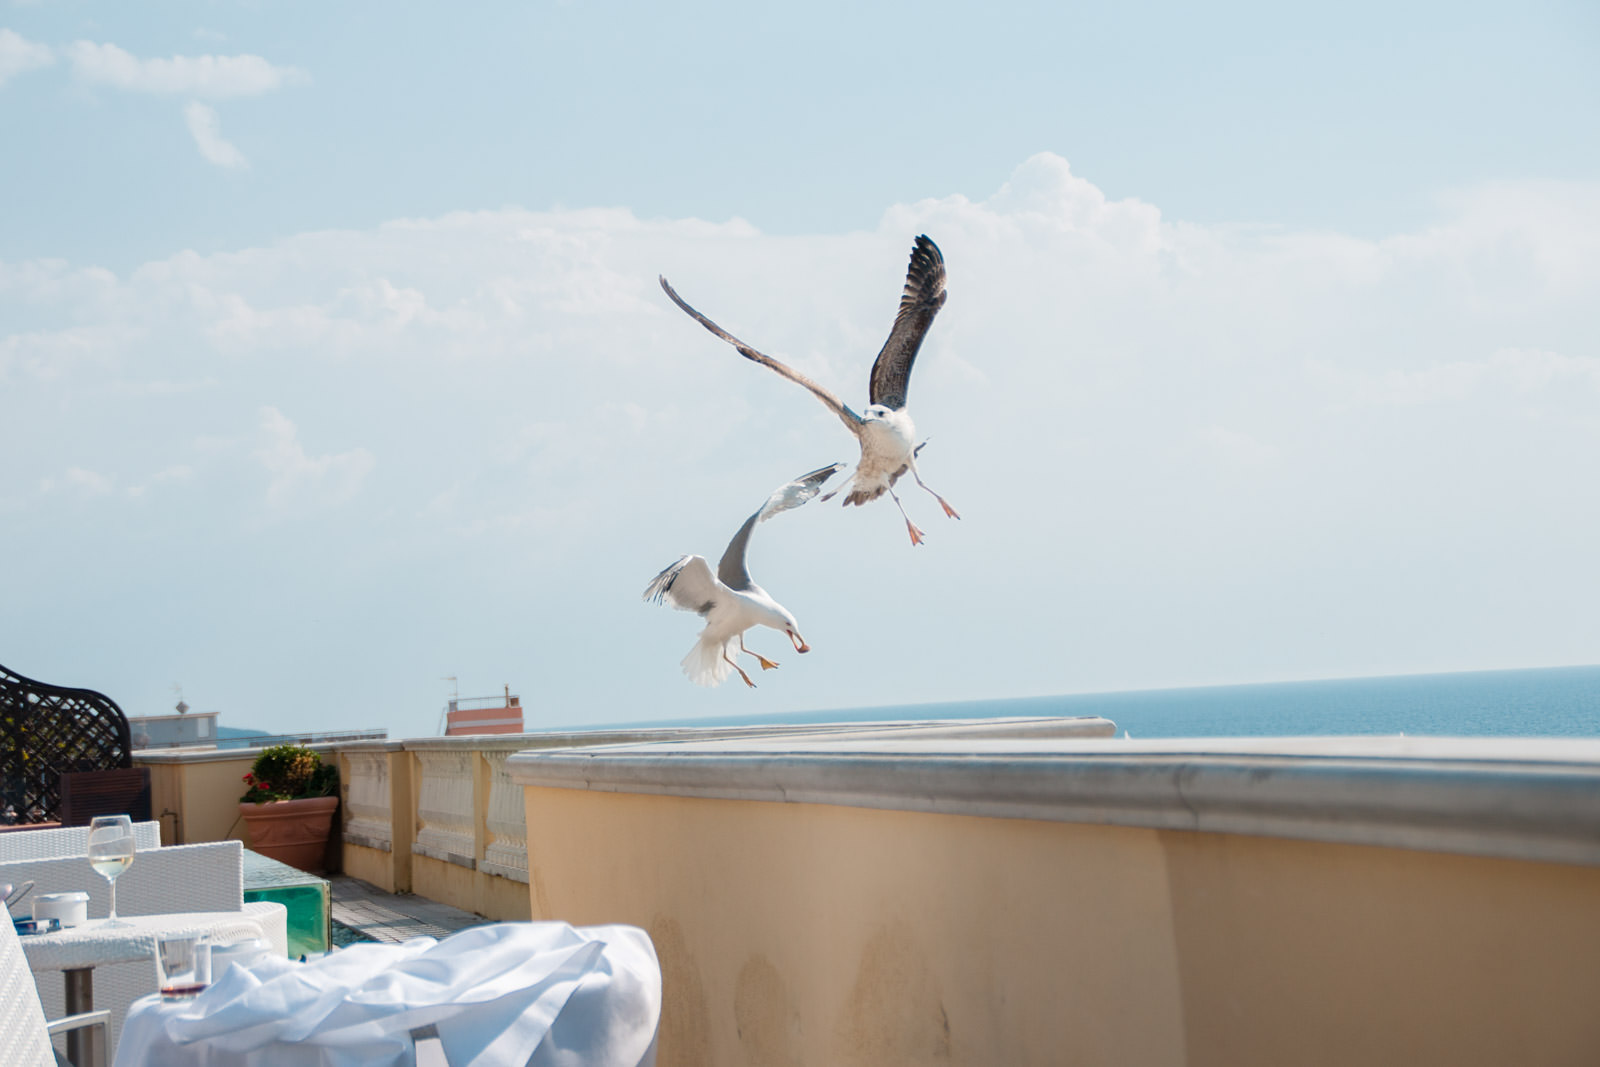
<point>1548,702</point>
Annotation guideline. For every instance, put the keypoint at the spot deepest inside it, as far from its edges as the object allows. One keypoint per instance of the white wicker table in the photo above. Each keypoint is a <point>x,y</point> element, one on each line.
<point>78,951</point>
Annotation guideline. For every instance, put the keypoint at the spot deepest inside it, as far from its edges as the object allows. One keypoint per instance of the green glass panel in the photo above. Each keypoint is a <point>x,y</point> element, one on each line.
<point>305,896</point>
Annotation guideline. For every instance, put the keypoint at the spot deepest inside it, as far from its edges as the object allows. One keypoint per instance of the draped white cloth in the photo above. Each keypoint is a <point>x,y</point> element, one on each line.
<point>506,995</point>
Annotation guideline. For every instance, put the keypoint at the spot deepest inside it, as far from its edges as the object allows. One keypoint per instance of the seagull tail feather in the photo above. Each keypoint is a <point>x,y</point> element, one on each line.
<point>865,488</point>
<point>705,665</point>
<point>863,496</point>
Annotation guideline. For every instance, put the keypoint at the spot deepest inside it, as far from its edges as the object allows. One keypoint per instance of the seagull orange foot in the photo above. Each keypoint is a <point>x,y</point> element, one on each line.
<point>766,664</point>
<point>916,534</point>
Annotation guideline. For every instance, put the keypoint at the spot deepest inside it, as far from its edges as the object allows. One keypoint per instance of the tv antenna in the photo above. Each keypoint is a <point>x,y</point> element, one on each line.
<point>455,694</point>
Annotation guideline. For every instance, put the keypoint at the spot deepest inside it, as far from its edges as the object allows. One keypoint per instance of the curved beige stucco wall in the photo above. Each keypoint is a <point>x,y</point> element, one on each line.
<point>195,796</point>
<point>793,934</point>
<point>812,933</point>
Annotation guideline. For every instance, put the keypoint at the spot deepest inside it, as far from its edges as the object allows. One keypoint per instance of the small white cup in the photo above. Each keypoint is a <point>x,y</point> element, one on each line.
<point>70,909</point>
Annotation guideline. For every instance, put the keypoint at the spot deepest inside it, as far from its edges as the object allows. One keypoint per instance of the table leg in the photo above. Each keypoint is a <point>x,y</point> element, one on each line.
<point>80,998</point>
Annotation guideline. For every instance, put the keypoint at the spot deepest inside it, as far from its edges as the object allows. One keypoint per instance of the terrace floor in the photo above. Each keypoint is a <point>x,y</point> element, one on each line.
<point>363,912</point>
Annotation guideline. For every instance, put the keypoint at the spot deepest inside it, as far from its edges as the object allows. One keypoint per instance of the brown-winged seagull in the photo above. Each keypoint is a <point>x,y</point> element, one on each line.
<point>729,601</point>
<point>884,429</point>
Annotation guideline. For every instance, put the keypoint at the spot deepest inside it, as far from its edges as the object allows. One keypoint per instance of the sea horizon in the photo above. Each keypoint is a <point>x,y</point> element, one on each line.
<point>1522,702</point>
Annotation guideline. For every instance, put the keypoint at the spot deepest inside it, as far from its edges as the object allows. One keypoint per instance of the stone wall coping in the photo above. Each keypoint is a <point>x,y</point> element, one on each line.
<point>518,742</point>
<point>1017,726</point>
<point>188,755</point>
<point>325,749</point>
<point>372,745</point>
<point>1521,798</point>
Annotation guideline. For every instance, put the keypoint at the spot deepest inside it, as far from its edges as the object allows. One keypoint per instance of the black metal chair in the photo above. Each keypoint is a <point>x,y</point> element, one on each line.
<point>123,791</point>
<point>47,731</point>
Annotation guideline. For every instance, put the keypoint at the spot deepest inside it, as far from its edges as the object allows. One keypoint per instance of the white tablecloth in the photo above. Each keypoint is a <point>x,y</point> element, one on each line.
<point>586,996</point>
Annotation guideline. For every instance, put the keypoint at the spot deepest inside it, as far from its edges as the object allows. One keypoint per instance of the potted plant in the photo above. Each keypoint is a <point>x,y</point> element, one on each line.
<point>289,800</point>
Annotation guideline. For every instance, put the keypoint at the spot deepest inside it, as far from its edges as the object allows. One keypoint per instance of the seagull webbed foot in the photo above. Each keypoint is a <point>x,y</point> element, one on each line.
<point>729,661</point>
<point>766,664</point>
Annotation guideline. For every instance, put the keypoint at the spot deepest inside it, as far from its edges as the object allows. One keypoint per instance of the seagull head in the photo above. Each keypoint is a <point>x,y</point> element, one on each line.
<point>788,625</point>
<point>876,411</point>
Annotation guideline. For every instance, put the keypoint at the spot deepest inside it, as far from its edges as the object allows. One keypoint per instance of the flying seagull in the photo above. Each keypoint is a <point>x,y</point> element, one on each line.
<point>729,601</point>
<point>884,429</point>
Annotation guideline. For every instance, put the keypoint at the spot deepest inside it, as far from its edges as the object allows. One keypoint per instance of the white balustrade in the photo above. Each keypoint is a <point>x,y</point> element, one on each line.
<point>507,851</point>
<point>445,805</point>
<point>368,819</point>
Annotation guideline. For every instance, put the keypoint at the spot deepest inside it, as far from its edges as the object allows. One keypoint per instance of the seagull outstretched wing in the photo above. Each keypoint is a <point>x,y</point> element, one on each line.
<point>837,406</point>
<point>920,301</point>
<point>732,570</point>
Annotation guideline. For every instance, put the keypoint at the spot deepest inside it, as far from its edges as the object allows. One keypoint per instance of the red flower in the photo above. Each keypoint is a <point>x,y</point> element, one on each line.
<point>262,785</point>
<point>248,776</point>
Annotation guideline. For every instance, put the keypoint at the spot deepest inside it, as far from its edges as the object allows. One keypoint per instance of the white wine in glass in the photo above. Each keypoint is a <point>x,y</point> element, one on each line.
<point>110,853</point>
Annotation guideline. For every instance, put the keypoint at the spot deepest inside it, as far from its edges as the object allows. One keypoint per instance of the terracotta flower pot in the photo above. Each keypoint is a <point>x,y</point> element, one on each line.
<point>292,831</point>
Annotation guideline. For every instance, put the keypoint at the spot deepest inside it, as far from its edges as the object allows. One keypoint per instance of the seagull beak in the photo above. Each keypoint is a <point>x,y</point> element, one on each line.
<point>799,642</point>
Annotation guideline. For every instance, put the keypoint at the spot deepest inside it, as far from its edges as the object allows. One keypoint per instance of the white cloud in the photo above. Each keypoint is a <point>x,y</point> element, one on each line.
<point>55,283</point>
<point>1043,192</point>
<point>299,479</point>
<point>78,481</point>
<point>1181,451</point>
<point>60,354</point>
<point>157,387</point>
<point>207,132</point>
<point>19,55</point>
<point>177,473</point>
<point>208,77</point>
<point>1505,373</point>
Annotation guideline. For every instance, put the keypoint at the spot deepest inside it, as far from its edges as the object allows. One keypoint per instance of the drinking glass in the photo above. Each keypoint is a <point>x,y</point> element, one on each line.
<point>183,965</point>
<point>110,853</point>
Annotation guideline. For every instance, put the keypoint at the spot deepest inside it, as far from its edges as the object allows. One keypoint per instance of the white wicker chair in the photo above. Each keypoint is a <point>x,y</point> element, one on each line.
<point>67,841</point>
<point>24,1034</point>
<point>208,877</point>
<point>204,877</point>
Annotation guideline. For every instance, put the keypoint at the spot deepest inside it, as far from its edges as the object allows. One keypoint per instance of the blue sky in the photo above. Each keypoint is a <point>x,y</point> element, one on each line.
<point>334,363</point>
<point>797,119</point>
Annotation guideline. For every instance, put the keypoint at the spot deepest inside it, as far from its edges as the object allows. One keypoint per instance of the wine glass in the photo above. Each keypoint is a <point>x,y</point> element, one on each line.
<point>110,853</point>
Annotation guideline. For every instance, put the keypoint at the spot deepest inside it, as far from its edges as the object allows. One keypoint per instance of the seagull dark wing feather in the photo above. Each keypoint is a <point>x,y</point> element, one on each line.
<point>923,296</point>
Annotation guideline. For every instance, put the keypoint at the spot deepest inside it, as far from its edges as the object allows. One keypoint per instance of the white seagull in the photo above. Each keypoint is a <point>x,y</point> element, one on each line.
<point>884,429</point>
<point>729,601</point>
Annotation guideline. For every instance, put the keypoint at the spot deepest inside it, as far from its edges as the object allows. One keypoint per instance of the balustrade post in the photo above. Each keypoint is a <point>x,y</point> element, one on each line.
<point>376,813</point>
<point>445,816</point>
<point>505,820</point>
